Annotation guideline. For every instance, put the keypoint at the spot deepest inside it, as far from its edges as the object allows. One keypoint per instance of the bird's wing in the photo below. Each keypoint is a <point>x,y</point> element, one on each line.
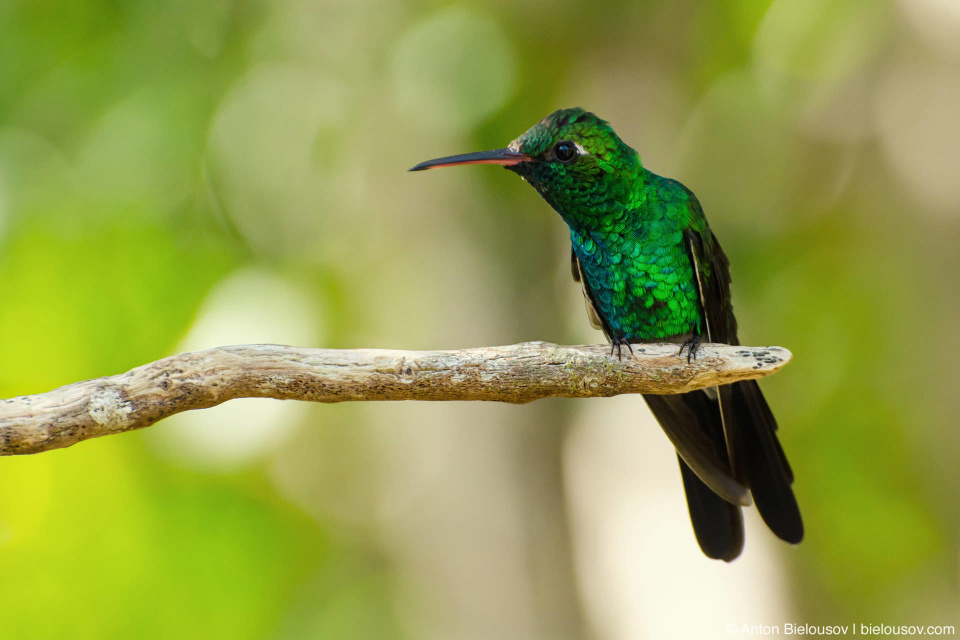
<point>712,269</point>
<point>592,313</point>
<point>755,454</point>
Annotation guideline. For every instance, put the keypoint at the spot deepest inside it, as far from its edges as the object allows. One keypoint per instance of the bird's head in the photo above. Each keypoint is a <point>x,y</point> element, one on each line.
<point>572,157</point>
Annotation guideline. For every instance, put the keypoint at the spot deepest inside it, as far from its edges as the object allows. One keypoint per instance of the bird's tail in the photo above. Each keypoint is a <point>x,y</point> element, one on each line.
<point>758,459</point>
<point>742,429</point>
<point>717,523</point>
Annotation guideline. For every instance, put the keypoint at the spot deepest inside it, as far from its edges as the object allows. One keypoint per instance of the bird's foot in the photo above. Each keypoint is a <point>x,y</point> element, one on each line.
<point>618,344</point>
<point>691,344</point>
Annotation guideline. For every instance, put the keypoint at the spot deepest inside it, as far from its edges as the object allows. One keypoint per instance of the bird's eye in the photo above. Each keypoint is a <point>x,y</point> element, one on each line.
<point>565,151</point>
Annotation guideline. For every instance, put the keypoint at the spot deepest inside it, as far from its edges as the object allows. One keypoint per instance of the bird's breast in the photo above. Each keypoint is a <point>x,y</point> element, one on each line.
<point>642,288</point>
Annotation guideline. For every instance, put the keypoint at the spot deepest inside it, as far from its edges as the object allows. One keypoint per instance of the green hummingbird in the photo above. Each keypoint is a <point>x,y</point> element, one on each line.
<point>651,270</point>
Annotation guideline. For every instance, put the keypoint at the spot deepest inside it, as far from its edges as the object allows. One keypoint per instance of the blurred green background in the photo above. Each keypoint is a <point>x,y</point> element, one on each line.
<point>176,175</point>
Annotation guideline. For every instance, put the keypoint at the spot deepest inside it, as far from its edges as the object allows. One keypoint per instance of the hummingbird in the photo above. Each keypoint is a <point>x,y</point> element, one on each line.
<point>651,270</point>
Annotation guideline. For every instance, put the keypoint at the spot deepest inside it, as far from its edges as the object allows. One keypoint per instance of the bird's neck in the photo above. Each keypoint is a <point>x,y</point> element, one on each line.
<point>612,207</point>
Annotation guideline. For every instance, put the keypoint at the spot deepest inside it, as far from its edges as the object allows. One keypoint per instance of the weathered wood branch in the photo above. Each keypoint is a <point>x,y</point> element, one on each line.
<point>517,373</point>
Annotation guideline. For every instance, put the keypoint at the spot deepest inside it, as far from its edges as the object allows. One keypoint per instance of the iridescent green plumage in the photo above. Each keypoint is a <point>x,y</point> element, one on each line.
<point>626,224</point>
<point>652,271</point>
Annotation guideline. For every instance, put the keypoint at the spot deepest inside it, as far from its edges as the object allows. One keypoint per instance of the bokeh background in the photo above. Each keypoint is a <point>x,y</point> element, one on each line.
<point>177,175</point>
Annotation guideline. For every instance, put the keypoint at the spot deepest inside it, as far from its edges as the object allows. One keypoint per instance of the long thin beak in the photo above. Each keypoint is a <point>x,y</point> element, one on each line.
<point>504,157</point>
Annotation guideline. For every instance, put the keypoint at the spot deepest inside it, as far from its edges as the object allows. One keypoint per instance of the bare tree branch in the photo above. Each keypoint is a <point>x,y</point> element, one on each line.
<point>517,373</point>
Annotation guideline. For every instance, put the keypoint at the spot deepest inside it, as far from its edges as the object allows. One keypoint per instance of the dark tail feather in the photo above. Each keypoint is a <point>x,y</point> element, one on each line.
<point>770,420</point>
<point>718,525</point>
<point>759,458</point>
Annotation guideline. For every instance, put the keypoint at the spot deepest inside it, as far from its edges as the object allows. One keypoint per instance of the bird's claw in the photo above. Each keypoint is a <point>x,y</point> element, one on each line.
<point>618,345</point>
<point>691,344</point>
